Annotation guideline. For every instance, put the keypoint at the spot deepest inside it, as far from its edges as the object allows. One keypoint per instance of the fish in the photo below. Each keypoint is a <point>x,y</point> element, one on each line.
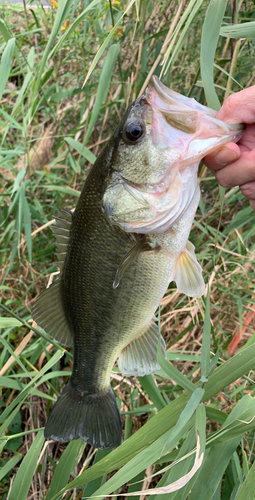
<point>126,240</point>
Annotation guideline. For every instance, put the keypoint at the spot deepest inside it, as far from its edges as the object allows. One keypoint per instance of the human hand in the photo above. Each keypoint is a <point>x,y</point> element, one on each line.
<point>234,165</point>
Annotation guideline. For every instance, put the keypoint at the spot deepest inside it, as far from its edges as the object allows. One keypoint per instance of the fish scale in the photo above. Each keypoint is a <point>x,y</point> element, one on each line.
<point>118,251</point>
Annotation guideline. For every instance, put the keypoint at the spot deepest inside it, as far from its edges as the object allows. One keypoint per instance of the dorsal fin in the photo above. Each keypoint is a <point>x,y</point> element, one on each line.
<point>61,232</point>
<point>48,310</point>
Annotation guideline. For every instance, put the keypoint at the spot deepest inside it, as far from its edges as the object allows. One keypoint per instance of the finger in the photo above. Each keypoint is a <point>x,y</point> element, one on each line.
<point>239,172</point>
<point>239,107</point>
<point>228,154</point>
<point>248,190</point>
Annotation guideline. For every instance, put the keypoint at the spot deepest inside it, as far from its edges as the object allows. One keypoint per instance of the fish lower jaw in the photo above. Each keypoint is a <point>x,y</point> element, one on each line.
<point>166,219</point>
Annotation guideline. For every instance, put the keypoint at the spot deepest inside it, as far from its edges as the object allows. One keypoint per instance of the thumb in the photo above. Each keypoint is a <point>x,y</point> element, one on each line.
<point>222,157</point>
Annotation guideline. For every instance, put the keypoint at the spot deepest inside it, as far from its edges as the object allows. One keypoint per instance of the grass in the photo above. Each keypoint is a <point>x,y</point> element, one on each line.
<point>198,411</point>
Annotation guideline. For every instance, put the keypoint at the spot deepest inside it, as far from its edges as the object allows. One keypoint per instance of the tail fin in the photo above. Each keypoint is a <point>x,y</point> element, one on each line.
<point>93,417</point>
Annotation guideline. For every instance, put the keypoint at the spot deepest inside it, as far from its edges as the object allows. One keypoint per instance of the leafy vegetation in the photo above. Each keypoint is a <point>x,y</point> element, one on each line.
<point>67,73</point>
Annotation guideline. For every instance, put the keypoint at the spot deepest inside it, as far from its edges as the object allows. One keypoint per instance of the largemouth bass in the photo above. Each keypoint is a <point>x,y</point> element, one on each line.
<point>118,251</point>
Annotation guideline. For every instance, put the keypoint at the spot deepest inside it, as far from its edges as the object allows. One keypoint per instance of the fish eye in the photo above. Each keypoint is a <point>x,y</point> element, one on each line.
<point>133,131</point>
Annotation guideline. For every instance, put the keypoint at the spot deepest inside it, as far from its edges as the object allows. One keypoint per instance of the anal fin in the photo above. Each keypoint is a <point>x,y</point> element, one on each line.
<point>140,356</point>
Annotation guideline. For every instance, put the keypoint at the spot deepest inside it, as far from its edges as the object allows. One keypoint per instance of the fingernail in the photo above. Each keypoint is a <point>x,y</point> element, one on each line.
<point>226,156</point>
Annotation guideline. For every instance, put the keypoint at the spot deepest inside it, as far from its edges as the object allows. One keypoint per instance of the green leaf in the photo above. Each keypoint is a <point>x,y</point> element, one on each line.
<point>244,30</point>
<point>210,35</point>
<point>151,452</point>
<point>205,357</point>
<point>27,226</point>
<point>230,371</point>
<point>18,386</point>
<point>164,444</point>
<point>172,372</point>
<point>178,470</point>
<point>22,91</point>
<point>21,483</point>
<point>71,28</point>
<point>212,470</point>
<point>150,387</point>
<point>247,490</point>
<point>180,33</point>
<point>103,86</point>
<point>224,375</point>
<point>82,150</point>
<point>5,65</point>
<point>65,466</point>
<point>62,189</point>
<point>201,426</point>
<point>6,468</point>
<point>107,40</point>
<point>61,14</point>
<point>38,379</point>
<point>9,322</point>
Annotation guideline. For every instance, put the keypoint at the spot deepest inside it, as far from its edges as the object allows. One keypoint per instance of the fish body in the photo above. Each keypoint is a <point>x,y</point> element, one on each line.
<point>125,242</point>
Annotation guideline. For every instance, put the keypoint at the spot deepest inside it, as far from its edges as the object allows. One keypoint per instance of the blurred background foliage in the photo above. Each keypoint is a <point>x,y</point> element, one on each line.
<point>68,71</point>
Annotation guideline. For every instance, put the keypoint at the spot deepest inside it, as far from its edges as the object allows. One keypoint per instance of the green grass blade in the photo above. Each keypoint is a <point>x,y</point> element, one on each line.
<point>173,373</point>
<point>62,189</point>
<point>10,119</point>
<point>218,458</point>
<point>18,386</point>
<point>212,470</point>
<point>230,371</point>
<point>23,394</point>
<point>152,452</point>
<point>205,357</point>
<point>65,467</point>
<point>178,470</point>
<point>9,322</point>
<point>189,409</point>
<point>82,150</point>
<point>170,370</point>
<point>107,40</point>
<point>5,65</point>
<point>22,92</point>
<point>244,30</point>
<point>91,487</point>
<point>71,28</point>
<point>9,465</point>
<point>210,35</point>
<point>247,490</point>
<point>177,43</point>
<point>150,387</point>
<point>26,470</point>
<point>178,35</point>
<point>27,227</point>
<point>201,426</point>
<point>5,32</point>
<point>61,14</point>
<point>103,86</point>
<point>223,376</point>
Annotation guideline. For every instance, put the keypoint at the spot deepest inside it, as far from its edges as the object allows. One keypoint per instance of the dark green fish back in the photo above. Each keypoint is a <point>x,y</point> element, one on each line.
<point>74,310</point>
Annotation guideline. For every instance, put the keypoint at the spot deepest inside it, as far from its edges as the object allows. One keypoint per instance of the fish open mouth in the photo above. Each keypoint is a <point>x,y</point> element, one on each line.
<point>189,128</point>
<point>182,131</point>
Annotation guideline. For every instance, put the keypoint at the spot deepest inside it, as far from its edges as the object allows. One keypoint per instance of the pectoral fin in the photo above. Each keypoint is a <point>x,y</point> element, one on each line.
<point>140,356</point>
<point>131,256</point>
<point>188,273</point>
